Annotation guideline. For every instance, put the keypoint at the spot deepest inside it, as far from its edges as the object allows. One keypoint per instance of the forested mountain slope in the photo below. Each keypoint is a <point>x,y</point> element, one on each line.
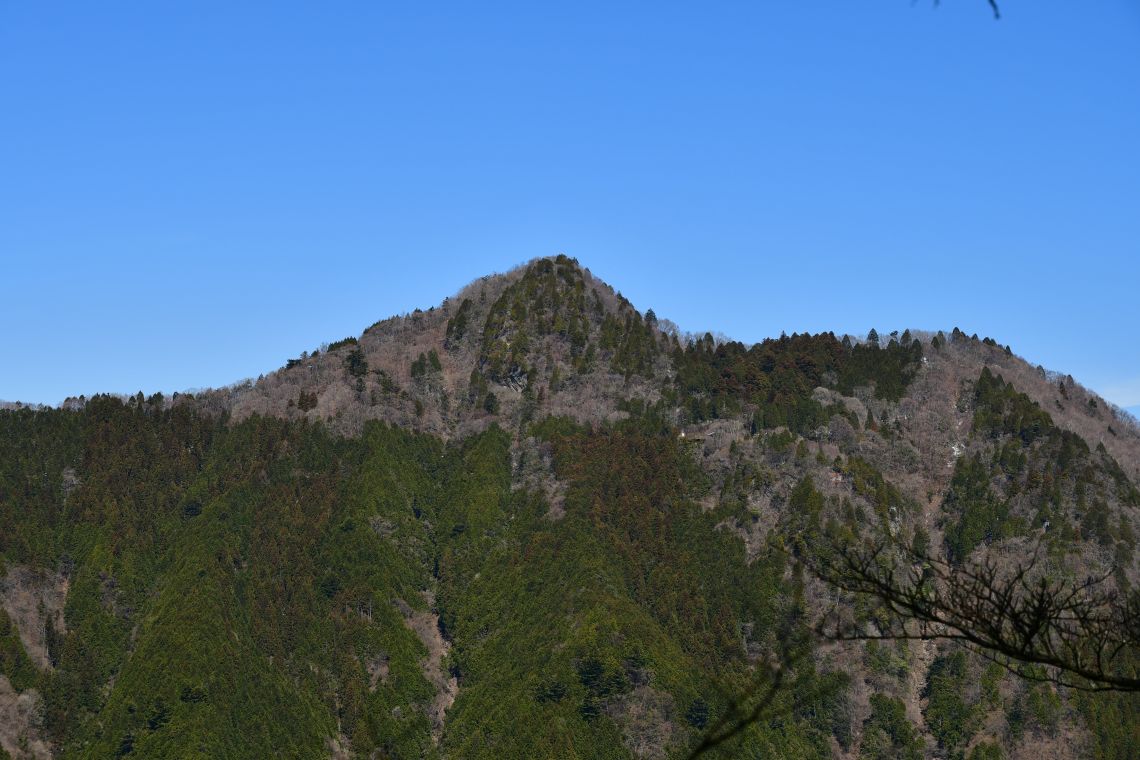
<point>531,522</point>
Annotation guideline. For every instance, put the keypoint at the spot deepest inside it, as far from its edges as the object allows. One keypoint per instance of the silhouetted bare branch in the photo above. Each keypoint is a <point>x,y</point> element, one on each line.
<point>993,7</point>
<point>740,715</point>
<point>756,705</point>
<point>1082,631</point>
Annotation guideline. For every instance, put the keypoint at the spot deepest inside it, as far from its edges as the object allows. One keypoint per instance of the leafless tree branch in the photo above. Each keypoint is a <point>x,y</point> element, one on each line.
<point>1080,631</point>
<point>993,6</point>
<point>755,705</point>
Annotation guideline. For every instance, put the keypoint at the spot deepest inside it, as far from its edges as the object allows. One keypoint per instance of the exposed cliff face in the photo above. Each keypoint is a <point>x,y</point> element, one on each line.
<point>530,522</point>
<point>21,723</point>
<point>33,601</point>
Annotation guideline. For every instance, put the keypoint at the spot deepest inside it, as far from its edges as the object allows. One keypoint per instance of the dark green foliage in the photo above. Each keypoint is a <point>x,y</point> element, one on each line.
<point>457,325</point>
<point>777,377</point>
<point>387,384</point>
<point>987,750</point>
<point>868,482</point>
<point>355,363</point>
<point>991,680</point>
<point>1043,707</point>
<point>551,691</point>
<point>491,403</point>
<point>555,623</point>
<point>981,514</point>
<point>426,363</point>
<point>885,659</point>
<point>831,710</point>
<point>805,504</point>
<point>1001,410</point>
<point>1096,523</point>
<point>632,342</point>
<point>306,401</point>
<point>476,388</point>
<point>838,709</point>
<point>888,734</point>
<point>1050,474</point>
<point>159,716</point>
<point>890,370</point>
<point>37,447</point>
<point>920,543</point>
<point>1113,722</point>
<point>14,662</point>
<point>552,300</point>
<point>342,343</point>
<point>697,715</point>
<point>1126,492</point>
<point>600,683</point>
<point>949,716</point>
<point>1037,710</point>
<point>549,299</point>
<point>419,366</point>
<point>231,609</point>
<point>631,487</point>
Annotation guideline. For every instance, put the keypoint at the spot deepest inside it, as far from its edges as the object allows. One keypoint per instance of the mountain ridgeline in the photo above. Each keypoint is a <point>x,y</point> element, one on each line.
<point>535,522</point>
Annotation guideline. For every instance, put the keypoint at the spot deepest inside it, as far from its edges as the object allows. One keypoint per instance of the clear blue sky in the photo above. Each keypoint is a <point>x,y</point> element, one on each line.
<point>192,193</point>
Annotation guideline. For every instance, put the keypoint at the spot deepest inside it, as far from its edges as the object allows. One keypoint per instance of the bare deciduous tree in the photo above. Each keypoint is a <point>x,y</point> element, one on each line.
<point>1084,634</point>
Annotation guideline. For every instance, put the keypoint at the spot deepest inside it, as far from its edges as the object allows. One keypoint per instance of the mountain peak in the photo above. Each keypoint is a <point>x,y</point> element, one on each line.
<point>503,345</point>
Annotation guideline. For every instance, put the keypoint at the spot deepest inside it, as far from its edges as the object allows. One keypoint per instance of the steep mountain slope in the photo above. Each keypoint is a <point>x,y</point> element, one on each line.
<point>531,523</point>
